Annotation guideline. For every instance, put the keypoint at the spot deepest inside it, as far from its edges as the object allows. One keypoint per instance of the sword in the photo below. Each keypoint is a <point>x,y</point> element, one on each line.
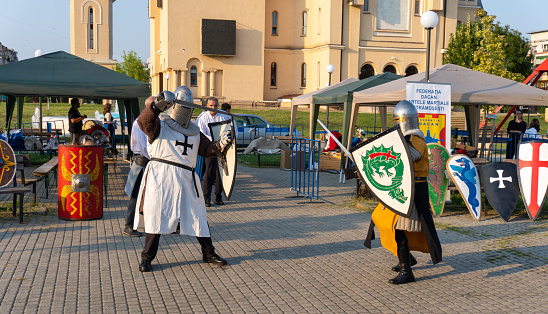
<point>336,141</point>
<point>192,105</point>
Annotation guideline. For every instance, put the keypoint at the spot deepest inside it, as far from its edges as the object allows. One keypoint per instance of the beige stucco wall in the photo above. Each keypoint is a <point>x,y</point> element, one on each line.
<point>101,53</point>
<point>338,33</point>
<point>176,30</point>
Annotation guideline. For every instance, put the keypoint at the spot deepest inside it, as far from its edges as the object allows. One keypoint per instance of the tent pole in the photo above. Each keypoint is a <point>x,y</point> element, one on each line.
<point>40,121</point>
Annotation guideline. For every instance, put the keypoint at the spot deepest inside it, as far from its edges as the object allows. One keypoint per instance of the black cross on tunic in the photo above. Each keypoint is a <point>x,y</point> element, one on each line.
<point>185,145</point>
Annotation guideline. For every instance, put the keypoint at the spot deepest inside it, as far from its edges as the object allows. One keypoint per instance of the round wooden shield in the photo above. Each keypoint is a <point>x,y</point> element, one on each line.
<point>7,164</point>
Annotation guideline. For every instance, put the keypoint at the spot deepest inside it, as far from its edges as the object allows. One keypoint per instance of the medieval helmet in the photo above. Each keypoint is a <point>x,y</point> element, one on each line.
<point>180,113</point>
<point>406,116</point>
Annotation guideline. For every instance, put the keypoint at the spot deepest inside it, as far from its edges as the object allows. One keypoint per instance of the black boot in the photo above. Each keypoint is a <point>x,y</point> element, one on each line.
<point>219,200</point>
<point>208,201</point>
<point>413,262</point>
<point>406,274</point>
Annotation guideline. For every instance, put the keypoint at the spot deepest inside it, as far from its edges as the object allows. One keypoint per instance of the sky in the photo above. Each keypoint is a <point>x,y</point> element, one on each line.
<point>28,25</point>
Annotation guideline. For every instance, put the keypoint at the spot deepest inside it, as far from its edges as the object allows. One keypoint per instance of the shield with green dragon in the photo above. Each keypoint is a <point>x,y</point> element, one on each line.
<point>385,166</point>
<point>437,179</point>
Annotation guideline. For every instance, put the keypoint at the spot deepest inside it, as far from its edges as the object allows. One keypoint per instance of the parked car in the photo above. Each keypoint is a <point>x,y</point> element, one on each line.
<point>251,127</point>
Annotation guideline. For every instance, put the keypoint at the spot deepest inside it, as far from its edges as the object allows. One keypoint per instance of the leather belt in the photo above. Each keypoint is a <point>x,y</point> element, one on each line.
<point>140,160</point>
<point>180,166</point>
<point>421,178</point>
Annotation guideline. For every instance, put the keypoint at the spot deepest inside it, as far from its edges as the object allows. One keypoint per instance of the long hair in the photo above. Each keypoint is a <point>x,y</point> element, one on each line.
<point>106,108</point>
<point>535,124</point>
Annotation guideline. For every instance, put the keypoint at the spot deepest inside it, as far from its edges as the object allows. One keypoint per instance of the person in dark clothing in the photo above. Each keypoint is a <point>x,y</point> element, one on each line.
<point>515,129</point>
<point>75,120</point>
<point>111,125</point>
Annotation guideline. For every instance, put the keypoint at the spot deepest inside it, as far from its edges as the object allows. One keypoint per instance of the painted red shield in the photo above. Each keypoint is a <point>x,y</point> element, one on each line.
<point>533,175</point>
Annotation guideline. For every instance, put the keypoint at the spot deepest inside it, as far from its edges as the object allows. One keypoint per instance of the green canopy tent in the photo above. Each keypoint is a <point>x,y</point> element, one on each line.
<point>343,95</point>
<point>60,74</point>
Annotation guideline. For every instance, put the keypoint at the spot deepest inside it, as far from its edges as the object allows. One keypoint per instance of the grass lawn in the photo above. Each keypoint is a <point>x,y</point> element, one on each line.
<point>274,116</point>
<point>60,109</point>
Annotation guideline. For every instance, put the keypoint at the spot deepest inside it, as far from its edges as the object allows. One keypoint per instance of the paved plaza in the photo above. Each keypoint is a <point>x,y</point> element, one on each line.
<point>285,255</point>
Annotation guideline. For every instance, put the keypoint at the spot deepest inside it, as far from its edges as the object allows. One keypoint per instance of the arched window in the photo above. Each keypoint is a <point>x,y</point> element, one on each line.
<point>319,21</point>
<point>411,70</point>
<point>273,74</point>
<point>390,68</point>
<point>275,23</point>
<point>193,76</point>
<point>304,23</point>
<point>367,71</point>
<point>458,23</point>
<point>303,75</point>
<point>91,28</point>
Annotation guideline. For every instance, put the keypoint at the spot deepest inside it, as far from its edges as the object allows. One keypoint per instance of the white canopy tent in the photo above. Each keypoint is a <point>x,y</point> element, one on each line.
<point>307,99</point>
<point>468,88</point>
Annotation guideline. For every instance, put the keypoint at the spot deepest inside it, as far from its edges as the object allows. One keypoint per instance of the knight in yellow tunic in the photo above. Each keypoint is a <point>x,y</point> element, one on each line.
<point>398,234</point>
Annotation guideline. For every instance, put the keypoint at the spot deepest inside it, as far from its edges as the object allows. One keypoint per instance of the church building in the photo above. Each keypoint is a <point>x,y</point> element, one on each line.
<point>268,49</point>
<point>91,31</point>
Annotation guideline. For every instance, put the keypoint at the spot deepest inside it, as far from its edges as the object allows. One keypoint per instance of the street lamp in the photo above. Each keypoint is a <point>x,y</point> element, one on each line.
<point>167,81</point>
<point>429,20</point>
<point>330,69</point>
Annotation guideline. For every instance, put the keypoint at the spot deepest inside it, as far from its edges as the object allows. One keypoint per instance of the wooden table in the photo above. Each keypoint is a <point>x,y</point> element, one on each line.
<point>45,169</point>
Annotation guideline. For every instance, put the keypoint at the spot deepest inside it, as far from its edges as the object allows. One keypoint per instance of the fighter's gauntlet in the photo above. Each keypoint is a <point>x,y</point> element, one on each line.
<point>164,101</point>
<point>226,138</point>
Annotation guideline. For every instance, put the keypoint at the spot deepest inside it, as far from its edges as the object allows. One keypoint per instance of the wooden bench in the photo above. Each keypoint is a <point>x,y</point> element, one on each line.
<point>25,181</point>
<point>17,191</point>
<point>45,169</point>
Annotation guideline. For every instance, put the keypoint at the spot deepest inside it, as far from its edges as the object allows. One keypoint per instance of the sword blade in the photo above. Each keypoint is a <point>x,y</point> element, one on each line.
<point>192,105</point>
<point>336,141</point>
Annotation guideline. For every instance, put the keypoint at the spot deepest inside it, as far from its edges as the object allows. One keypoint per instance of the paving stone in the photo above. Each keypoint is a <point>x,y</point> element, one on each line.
<point>283,256</point>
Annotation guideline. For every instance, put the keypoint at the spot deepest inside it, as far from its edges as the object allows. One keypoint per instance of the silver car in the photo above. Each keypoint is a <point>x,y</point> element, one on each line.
<point>251,127</point>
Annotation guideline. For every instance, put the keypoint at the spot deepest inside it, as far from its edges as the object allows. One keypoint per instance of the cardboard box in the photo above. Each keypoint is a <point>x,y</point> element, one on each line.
<point>285,159</point>
<point>330,161</point>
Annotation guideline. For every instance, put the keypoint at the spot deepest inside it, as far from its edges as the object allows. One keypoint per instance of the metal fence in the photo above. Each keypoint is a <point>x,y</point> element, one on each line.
<point>506,147</point>
<point>305,159</point>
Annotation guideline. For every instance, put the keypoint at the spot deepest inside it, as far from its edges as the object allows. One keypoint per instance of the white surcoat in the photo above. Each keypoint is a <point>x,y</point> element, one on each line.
<point>169,191</point>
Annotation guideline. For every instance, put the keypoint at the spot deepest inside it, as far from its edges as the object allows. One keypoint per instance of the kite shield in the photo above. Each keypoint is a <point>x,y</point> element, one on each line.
<point>226,160</point>
<point>500,184</point>
<point>464,174</point>
<point>437,180</point>
<point>533,175</point>
<point>7,164</point>
<point>385,165</point>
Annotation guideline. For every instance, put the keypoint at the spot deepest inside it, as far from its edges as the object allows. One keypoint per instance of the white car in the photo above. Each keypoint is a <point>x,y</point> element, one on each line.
<point>251,127</point>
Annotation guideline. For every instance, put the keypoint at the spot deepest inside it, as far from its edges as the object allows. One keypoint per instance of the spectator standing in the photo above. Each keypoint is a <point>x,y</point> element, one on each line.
<point>212,173</point>
<point>515,129</point>
<point>111,125</point>
<point>75,120</point>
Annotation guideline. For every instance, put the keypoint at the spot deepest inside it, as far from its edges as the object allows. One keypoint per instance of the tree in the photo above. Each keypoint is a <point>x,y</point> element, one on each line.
<point>486,46</point>
<point>133,66</point>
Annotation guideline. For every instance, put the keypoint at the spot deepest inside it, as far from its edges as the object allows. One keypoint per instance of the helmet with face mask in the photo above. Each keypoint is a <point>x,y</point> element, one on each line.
<point>180,113</point>
<point>406,115</point>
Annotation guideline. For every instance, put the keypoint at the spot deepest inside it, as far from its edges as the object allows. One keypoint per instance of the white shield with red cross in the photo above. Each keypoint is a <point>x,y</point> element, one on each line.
<point>533,175</point>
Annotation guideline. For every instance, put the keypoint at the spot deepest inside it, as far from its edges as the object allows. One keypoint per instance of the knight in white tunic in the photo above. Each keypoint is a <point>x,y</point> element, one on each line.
<point>170,193</point>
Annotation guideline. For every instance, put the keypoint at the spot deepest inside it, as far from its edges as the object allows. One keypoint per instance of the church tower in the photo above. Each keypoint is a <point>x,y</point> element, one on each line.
<point>91,31</point>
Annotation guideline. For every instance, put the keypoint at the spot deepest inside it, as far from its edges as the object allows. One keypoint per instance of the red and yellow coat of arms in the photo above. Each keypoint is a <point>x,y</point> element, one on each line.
<point>80,182</point>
